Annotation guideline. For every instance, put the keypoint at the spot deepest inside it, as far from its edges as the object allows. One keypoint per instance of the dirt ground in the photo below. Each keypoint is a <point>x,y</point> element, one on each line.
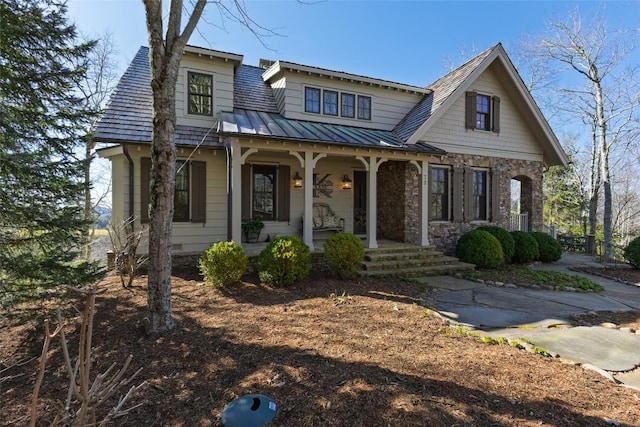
<point>329,353</point>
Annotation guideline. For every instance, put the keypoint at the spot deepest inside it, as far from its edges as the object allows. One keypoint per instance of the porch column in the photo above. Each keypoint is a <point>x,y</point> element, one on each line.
<point>424,203</point>
<point>235,186</point>
<point>307,232</point>
<point>372,197</point>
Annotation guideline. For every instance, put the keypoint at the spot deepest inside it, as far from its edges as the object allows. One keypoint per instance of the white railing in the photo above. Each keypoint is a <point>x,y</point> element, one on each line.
<point>520,222</point>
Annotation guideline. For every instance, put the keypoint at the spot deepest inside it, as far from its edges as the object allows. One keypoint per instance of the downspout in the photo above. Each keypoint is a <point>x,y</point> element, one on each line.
<point>125,151</point>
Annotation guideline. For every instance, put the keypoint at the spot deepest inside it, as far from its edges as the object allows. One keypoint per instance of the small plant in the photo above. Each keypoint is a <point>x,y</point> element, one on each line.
<point>541,351</point>
<point>550,249</point>
<point>632,253</point>
<point>125,241</point>
<point>251,230</point>
<point>343,253</point>
<point>223,263</point>
<point>284,261</point>
<point>480,248</point>
<point>505,239</point>
<point>526,247</point>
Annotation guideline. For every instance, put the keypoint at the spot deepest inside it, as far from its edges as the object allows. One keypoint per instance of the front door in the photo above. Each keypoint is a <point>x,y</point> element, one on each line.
<point>359,202</point>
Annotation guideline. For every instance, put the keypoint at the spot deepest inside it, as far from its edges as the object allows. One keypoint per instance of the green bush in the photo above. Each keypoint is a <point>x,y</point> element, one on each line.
<point>223,263</point>
<point>344,253</point>
<point>284,261</point>
<point>550,249</point>
<point>526,247</point>
<point>480,248</point>
<point>632,253</point>
<point>505,239</point>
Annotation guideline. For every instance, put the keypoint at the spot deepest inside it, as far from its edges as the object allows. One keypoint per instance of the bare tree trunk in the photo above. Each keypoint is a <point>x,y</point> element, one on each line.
<point>164,56</point>
<point>604,165</point>
<point>594,182</point>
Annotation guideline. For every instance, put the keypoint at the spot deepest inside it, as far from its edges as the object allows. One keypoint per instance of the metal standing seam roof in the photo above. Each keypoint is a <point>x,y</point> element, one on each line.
<point>250,123</point>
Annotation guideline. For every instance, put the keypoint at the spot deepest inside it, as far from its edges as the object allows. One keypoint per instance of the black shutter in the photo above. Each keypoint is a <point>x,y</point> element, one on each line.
<point>495,196</point>
<point>245,186</point>
<point>145,177</point>
<point>470,110</point>
<point>198,192</point>
<point>284,186</point>
<point>468,194</point>
<point>496,114</point>
<point>457,195</point>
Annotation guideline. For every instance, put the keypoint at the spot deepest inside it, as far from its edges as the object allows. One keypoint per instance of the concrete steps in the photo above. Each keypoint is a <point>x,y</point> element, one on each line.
<point>409,261</point>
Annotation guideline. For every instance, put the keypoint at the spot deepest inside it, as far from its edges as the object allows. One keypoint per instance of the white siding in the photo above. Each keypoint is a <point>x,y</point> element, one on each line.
<point>388,106</point>
<point>515,139</point>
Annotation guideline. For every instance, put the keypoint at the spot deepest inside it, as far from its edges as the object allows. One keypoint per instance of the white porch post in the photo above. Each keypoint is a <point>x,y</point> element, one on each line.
<point>372,197</point>
<point>307,232</point>
<point>424,203</point>
<point>236,187</point>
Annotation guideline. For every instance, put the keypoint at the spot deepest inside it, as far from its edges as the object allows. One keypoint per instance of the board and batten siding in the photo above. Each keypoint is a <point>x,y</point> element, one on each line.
<point>388,106</point>
<point>514,141</point>
<point>223,76</point>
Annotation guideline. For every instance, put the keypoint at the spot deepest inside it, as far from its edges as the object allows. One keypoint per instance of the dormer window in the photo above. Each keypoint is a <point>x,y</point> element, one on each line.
<point>312,100</point>
<point>330,102</point>
<point>482,112</point>
<point>348,105</point>
<point>200,94</point>
<point>364,107</point>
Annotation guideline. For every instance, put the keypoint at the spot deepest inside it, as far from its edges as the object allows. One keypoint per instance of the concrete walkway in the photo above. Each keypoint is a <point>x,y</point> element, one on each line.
<point>542,317</point>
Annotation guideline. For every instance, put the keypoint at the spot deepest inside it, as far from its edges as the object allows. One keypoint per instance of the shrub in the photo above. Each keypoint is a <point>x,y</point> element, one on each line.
<point>480,248</point>
<point>526,247</point>
<point>284,261</point>
<point>505,239</point>
<point>632,253</point>
<point>550,249</point>
<point>223,263</point>
<point>343,253</point>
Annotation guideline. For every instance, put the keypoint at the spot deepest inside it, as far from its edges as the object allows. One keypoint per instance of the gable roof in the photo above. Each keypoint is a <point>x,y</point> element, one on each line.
<point>440,90</point>
<point>449,88</point>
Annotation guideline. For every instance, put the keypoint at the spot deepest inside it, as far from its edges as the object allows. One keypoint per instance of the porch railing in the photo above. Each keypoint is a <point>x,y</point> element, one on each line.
<point>520,222</point>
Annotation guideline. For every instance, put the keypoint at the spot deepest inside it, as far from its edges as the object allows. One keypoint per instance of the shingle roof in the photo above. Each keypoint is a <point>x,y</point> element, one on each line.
<point>274,125</point>
<point>441,90</point>
<point>251,92</point>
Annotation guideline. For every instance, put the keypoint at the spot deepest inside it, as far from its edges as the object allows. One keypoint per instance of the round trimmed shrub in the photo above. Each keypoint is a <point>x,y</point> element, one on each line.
<point>223,263</point>
<point>505,239</point>
<point>343,253</point>
<point>284,261</point>
<point>526,247</point>
<point>550,249</point>
<point>480,248</point>
<point>632,253</point>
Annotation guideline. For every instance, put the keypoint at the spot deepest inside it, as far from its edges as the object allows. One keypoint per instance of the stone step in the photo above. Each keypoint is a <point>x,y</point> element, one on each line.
<point>399,248</point>
<point>415,254</point>
<point>397,263</point>
<point>423,271</point>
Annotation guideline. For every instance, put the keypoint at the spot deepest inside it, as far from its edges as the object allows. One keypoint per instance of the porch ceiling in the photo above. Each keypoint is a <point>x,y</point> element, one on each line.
<point>251,123</point>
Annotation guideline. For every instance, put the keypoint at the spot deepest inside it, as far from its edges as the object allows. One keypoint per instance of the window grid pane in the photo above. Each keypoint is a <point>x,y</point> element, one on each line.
<point>348,103</point>
<point>483,112</point>
<point>479,195</point>
<point>330,103</point>
<point>181,192</point>
<point>200,94</point>
<point>439,194</point>
<point>264,192</point>
<point>364,107</point>
<point>312,100</point>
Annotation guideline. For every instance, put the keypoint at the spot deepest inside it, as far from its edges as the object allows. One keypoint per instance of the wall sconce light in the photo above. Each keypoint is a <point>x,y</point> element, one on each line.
<point>297,180</point>
<point>346,183</point>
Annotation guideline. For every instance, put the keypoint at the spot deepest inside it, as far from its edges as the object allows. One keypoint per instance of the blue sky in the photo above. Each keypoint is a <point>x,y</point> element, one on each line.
<point>405,41</point>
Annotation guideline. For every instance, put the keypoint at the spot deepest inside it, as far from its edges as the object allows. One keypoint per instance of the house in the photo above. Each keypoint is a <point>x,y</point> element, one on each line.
<point>419,165</point>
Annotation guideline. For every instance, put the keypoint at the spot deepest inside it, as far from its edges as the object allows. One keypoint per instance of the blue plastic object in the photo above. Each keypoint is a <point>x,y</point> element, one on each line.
<point>251,410</point>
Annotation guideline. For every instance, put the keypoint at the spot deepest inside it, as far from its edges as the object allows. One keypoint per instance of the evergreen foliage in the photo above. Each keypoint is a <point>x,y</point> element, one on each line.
<point>284,261</point>
<point>42,122</point>
<point>480,248</point>
<point>550,249</point>
<point>563,197</point>
<point>344,254</point>
<point>505,239</point>
<point>526,247</point>
<point>223,263</point>
<point>632,253</point>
